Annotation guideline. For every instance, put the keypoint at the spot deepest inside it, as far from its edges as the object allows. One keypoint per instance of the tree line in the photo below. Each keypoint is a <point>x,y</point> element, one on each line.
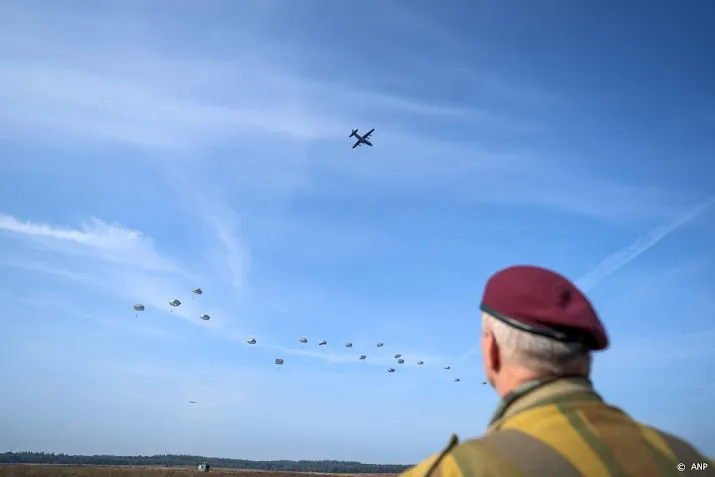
<point>172,460</point>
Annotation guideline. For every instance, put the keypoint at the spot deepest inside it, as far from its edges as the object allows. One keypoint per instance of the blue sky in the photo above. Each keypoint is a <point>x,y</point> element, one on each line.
<point>151,147</point>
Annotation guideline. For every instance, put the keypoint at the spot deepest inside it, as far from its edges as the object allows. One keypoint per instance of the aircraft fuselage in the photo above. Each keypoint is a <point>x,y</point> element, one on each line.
<point>361,139</point>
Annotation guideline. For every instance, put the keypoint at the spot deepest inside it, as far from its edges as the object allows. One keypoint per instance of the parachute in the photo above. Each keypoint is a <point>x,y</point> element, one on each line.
<point>447,367</point>
<point>348,345</point>
<point>174,303</point>
<point>196,291</point>
<point>279,362</point>
<point>138,307</point>
<point>391,370</point>
<point>380,345</point>
<point>362,357</point>
<point>456,380</point>
<point>304,340</point>
<point>322,343</point>
<point>205,317</point>
<point>398,356</point>
<point>400,361</point>
<point>251,341</point>
<point>420,363</point>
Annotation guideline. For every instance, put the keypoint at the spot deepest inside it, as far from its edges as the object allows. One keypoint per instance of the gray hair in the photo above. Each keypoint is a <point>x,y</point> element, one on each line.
<point>539,354</point>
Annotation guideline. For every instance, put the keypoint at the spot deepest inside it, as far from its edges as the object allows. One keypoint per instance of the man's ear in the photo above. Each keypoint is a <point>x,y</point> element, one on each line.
<point>493,353</point>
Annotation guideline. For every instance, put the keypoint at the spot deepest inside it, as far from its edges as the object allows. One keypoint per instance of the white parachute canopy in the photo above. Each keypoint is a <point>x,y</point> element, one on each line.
<point>362,356</point>
<point>322,343</point>
<point>348,345</point>
<point>456,380</point>
<point>390,370</point>
<point>251,341</point>
<point>304,340</point>
<point>197,291</point>
<point>380,345</point>
<point>138,307</point>
<point>175,302</point>
<point>205,317</point>
<point>400,361</point>
<point>398,356</point>
<point>420,363</point>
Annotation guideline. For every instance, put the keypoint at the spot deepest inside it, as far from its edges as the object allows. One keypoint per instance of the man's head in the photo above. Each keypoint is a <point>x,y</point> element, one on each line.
<point>536,324</point>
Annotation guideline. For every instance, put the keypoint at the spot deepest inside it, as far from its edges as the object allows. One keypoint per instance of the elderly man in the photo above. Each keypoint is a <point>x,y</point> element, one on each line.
<point>538,333</point>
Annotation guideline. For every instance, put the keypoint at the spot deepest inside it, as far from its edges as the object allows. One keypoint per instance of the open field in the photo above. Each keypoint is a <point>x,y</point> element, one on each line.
<point>35,470</point>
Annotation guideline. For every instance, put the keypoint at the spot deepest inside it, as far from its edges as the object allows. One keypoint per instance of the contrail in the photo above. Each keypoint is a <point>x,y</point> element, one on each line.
<point>619,259</point>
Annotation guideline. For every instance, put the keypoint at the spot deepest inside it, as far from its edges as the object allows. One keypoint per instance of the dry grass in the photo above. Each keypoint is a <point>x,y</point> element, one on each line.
<point>32,470</point>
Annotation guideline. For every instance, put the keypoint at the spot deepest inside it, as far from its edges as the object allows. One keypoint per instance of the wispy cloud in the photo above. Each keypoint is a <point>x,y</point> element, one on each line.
<point>112,243</point>
<point>624,256</point>
<point>182,107</point>
<point>154,291</point>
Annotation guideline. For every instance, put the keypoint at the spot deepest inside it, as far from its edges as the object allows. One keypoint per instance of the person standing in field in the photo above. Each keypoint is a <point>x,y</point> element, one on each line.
<point>538,333</point>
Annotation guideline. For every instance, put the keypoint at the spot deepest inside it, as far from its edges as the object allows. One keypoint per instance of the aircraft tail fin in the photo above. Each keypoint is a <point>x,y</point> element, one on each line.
<point>353,133</point>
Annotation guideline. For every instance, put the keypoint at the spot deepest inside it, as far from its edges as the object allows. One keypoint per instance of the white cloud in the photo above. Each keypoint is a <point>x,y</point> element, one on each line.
<point>111,243</point>
<point>235,256</point>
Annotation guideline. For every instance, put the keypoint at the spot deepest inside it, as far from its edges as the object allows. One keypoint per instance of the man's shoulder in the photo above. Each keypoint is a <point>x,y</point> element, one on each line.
<point>676,447</point>
<point>479,456</point>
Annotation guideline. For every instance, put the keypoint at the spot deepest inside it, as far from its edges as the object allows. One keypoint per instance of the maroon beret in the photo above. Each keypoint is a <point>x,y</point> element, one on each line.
<point>543,302</point>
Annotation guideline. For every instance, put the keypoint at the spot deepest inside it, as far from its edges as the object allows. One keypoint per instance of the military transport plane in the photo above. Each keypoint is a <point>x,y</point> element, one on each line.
<point>361,139</point>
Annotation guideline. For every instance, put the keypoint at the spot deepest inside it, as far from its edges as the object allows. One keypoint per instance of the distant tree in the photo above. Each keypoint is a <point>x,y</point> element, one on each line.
<point>172,460</point>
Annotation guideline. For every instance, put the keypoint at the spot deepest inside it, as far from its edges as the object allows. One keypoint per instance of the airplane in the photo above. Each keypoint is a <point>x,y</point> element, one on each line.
<point>361,139</point>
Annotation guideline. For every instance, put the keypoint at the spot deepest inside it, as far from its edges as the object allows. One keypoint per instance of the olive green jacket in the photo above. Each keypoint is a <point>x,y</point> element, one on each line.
<point>562,428</point>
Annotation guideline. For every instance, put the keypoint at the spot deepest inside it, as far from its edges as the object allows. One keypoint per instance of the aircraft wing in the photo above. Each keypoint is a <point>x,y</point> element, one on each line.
<point>357,143</point>
<point>368,134</point>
